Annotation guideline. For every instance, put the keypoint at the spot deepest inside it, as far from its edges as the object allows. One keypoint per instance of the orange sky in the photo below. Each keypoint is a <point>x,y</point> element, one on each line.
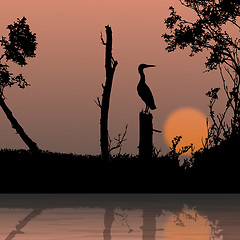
<point>58,110</point>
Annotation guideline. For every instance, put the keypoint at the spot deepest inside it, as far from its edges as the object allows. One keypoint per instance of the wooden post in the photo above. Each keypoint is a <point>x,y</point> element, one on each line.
<point>145,135</point>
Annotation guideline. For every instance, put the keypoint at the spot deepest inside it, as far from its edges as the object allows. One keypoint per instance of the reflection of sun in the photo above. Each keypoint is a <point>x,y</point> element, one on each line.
<point>189,123</point>
<point>187,225</point>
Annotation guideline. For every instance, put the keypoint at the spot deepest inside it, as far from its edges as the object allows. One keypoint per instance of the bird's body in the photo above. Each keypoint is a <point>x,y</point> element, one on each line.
<point>143,90</point>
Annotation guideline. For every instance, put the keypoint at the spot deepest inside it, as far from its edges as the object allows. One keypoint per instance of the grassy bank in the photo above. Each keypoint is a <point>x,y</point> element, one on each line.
<point>212,170</point>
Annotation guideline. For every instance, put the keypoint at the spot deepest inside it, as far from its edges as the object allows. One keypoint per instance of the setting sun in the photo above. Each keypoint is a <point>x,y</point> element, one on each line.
<point>189,123</point>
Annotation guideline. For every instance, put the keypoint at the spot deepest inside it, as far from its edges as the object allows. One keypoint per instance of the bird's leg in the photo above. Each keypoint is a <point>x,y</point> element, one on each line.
<point>146,109</point>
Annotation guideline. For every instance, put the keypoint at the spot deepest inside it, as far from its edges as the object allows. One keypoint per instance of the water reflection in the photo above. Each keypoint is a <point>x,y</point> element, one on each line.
<point>188,224</point>
<point>115,217</point>
<point>149,224</point>
<point>108,221</point>
<point>21,224</point>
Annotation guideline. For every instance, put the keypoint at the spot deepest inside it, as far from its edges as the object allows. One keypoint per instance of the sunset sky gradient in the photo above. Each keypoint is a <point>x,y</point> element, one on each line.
<point>58,110</point>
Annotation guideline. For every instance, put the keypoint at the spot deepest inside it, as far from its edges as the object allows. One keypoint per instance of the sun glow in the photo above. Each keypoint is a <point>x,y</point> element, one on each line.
<point>189,123</point>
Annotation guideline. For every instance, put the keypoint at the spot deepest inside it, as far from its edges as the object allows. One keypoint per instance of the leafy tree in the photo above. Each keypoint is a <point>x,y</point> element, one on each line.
<point>208,32</point>
<point>20,45</point>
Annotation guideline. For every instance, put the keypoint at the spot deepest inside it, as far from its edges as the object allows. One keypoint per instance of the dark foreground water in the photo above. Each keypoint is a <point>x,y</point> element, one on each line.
<point>119,216</point>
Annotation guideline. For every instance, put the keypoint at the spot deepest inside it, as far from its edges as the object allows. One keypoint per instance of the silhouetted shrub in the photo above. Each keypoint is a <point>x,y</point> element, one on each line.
<point>212,170</point>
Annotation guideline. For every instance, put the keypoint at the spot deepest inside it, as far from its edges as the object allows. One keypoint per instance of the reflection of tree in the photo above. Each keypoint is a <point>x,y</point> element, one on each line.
<point>21,224</point>
<point>108,221</point>
<point>216,231</point>
<point>193,216</point>
<point>187,215</point>
<point>149,225</point>
<point>123,219</point>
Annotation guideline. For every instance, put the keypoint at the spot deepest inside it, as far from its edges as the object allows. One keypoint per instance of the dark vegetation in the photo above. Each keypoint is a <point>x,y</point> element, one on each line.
<point>214,168</point>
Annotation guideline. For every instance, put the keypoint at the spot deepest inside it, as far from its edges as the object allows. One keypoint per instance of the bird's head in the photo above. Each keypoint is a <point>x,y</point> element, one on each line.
<point>142,66</point>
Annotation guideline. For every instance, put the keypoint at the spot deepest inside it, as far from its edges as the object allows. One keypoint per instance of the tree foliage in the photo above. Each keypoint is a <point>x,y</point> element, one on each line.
<point>207,31</point>
<point>210,31</point>
<point>19,45</point>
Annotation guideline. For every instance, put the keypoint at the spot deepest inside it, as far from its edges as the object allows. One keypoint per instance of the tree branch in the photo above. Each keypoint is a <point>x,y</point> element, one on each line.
<point>184,4</point>
<point>98,102</point>
<point>121,138</point>
<point>2,56</point>
<point>234,23</point>
<point>115,63</point>
<point>225,86</point>
<point>102,39</point>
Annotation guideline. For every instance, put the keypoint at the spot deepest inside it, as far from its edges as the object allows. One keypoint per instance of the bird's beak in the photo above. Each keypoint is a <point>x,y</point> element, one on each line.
<point>147,66</point>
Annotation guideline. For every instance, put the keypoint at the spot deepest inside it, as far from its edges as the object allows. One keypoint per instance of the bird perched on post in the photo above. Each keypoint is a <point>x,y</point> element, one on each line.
<point>143,90</point>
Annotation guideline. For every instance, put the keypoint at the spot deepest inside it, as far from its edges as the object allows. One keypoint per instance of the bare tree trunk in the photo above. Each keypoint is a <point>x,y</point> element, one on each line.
<point>110,65</point>
<point>32,145</point>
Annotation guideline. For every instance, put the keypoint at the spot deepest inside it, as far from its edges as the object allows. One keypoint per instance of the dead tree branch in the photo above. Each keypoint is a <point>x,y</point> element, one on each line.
<point>103,42</point>
<point>98,102</point>
<point>120,139</point>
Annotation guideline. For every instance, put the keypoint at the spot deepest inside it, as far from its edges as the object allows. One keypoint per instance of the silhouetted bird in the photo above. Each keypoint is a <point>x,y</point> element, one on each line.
<point>143,90</point>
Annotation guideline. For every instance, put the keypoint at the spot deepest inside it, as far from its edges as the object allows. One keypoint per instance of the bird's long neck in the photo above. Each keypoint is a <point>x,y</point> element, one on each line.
<point>142,76</point>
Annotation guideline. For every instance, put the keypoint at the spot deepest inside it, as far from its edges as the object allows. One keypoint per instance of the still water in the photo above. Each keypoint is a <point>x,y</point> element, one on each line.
<point>119,216</point>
